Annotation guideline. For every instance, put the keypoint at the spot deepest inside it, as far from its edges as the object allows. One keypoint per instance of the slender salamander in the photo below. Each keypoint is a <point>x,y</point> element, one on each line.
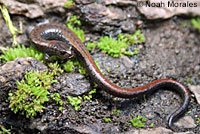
<point>55,39</point>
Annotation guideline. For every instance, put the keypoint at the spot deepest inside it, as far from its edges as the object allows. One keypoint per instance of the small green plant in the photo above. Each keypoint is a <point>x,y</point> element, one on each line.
<point>189,112</point>
<point>68,3</point>
<point>137,122</point>
<point>89,96</point>
<point>107,120</point>
<point>60,108</point>
<point>70,64</point>
<point>75,101</point>
<point>56,97</point>
<point>3,130</point>
<point>189,80</point>
<point>82,70</point>
<point>116,111</point>
<point>90,46</point>
<point>152,125</point>
<point>9,23</point>
<point>198,121</point>
<point>20,51</point>
<point>111,46</point>
<point>74,22</point>
<point>135,38</point>
<point>117,47</point>
<point>55,68</point>
<point>31,93</point>
<point>196,23</point>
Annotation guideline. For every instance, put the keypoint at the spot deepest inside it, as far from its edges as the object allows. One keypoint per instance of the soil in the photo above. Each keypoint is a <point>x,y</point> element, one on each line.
<point>171,51</point>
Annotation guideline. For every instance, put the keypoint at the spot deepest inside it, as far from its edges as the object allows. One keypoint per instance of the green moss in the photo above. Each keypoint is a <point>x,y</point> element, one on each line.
<point>189,80</point>
<point>75,101</point>
<point>56,98</point>
<point>3,130</point>
<point>90,46</point>
<point>82,70</point>
<point>152,125</point>
<point>198,121</point>
<point>70,64</point>
<point>73,24</point>
<point>196,23</point>
<point>138,122</point>
<point>60,108</point>
<point>78,32</point>
<point>21,51</point>
<point>117,47</point>
<point>107,120</point>
<point>135,38</point>
<point>55,68</point>
<point>31,93</point>
<point>89,96</point>
<point>189,112</point>
<point>111,46</point>
<point>116,111</point>
<point>9,23</point>
<point>68,3</point>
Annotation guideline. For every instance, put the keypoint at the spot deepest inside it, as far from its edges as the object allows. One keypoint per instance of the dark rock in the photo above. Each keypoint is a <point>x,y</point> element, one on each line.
<point>74,84</point>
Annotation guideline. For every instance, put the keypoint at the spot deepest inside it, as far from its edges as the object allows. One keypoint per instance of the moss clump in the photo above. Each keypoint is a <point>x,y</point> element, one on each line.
<point>21,51</point>
<point>3,130</point>
<point>90,46</point>
<point>116,111</point>
<point>89,96</point>
<point>196,23</point>
<point>135,38</point>
<point>75,101</point>
<point>73,24</point>
<point>56,97</point>
<point>70,64</point>
<point>68,3</point>
<point>117,47</point>
<point>55,68</point>
<point>138,122</point>
<point>31,93</point>
<point>107,119</point>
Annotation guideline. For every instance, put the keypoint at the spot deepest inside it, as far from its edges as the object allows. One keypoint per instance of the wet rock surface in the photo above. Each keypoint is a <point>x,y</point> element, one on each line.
<point>171,51</point>
<point>73,84</point>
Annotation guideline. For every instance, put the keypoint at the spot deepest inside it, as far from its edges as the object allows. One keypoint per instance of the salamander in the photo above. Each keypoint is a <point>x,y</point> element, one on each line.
<point>56,39</point>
